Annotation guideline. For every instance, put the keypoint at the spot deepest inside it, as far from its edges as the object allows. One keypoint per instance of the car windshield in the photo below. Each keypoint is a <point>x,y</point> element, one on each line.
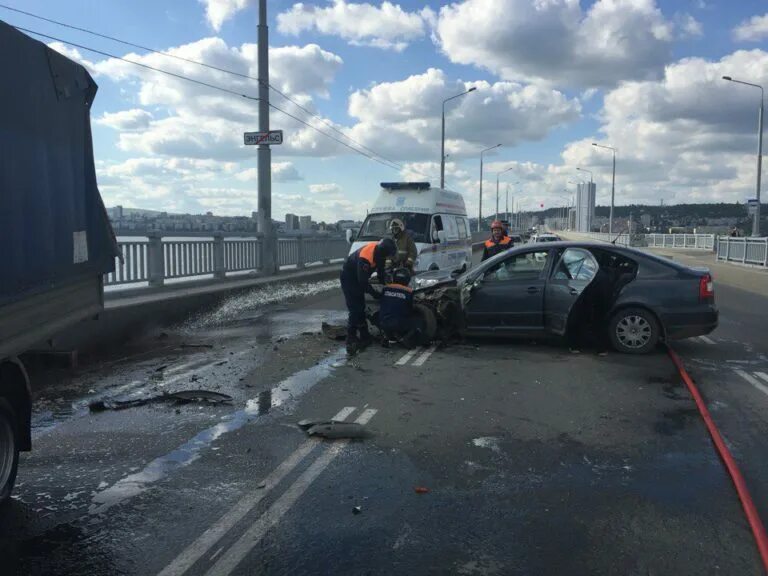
<point>376,226</point>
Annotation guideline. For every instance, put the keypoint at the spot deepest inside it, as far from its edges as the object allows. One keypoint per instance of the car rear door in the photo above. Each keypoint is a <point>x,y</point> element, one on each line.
<point>574,271</point>
<point>510,295</point>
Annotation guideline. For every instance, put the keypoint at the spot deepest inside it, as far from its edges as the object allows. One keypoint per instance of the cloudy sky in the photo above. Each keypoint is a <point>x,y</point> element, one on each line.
<point>551,77</point>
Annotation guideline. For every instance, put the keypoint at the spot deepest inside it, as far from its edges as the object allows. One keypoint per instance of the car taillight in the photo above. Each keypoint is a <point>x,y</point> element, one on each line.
<point>706,287</point>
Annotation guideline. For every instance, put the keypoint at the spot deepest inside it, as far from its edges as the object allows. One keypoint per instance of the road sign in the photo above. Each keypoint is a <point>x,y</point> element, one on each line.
<point>271,137</point>
<point>752,206</point>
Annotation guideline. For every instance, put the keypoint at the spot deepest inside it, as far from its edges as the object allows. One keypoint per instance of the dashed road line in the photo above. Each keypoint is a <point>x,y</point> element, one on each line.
<point>762,375</point>
<point>228,563</point>
<point>406,357</point>
<point>212,535</point>
<point>754,381</point>
<point>425,356</point>
<point>706,340</point>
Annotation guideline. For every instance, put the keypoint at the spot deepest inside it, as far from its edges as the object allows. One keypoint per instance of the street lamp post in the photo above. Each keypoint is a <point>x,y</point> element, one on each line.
<point>480,203</point>
<point>756,215</point>
<point>498,174</point>
<point>587,171</point>
<point>613,184</point>
<point>506,204</point>
<point>442,137</point>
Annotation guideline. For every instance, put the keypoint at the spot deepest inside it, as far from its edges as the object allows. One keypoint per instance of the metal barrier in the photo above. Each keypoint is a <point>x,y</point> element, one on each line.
<point>690,241</point>
<point>743,250</point>
<point>620,239</point>
<point>155,259</point>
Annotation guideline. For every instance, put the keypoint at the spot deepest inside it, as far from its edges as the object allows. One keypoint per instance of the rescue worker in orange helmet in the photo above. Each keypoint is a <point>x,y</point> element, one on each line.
<point>498,242</point>
<point>355,275</point>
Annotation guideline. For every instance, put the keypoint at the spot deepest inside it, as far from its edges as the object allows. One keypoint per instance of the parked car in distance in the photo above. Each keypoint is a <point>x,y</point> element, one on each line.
<point>545,237</point>
<point>516,239</point>
<point>536,290</point>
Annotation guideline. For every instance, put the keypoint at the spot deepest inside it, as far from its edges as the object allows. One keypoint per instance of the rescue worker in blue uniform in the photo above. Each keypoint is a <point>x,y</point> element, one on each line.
<point>498,242</point>
<point>397,318</point>
<point>355,276</point>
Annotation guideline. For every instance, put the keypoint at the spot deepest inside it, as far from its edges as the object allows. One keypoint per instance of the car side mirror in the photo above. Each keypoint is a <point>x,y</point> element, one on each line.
<point>435,236</point>
<point>349,235</point>
<point>441,236</point>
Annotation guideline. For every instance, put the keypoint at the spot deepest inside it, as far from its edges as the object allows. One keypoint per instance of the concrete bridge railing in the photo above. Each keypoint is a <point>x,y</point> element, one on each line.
<point>163,257</point>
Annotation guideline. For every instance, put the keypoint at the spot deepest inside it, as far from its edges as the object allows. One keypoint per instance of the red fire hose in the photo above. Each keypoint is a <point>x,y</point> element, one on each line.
<point>758,530</point>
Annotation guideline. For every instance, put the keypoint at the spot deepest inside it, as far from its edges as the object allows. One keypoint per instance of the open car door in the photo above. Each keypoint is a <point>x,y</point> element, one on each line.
<point>573,272</point>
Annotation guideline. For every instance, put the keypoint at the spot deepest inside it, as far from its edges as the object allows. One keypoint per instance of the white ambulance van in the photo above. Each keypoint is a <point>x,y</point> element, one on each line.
<point>436,219</point>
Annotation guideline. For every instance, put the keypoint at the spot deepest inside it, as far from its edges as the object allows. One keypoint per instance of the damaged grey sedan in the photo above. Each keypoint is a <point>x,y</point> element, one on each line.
<point>628,298</point>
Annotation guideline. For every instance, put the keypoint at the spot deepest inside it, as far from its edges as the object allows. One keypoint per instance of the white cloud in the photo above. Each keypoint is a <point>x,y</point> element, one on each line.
<point>690,135</point>
<point>134,119</point>
<point>206,123</point>
<point>281,172</point>
<point>752,30</point>
<point>386,26</point>
<point>325,189</point>
<point>401,119</point>
<point>689,26</point>
<point>219,11</point>
<point>554,40</point>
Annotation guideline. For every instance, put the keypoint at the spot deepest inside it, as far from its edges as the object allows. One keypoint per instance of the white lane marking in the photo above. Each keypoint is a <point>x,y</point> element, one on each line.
<point>213,534</point>
<point>232,558</point>
<point>706,340</point>
<point>344,413</point>
<point>762,375</point>
<point>425,356</point>
<point>406,357</point>
<point>754,381</point>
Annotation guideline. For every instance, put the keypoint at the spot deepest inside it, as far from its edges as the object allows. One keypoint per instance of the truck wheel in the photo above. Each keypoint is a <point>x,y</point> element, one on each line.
<point>429,320</point>
<point>9,450</point>
<point>633,331</point>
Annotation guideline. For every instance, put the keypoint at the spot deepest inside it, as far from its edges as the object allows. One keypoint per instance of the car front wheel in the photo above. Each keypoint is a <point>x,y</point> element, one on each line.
<point>633,331</point>
<point>9,450</point>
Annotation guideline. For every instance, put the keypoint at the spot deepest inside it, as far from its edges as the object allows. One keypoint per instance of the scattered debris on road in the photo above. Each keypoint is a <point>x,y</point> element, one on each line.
<point>421,490</point>
<point>357,509</point>
<point>180,397</point>
<point>333,430</point>
<point>187,345</point>
<point>334,331</point>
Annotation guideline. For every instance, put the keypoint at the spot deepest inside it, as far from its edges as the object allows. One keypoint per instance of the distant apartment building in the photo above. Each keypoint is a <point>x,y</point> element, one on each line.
<point>291,222</point>
<point>585,206</point>
<point>305,222</point>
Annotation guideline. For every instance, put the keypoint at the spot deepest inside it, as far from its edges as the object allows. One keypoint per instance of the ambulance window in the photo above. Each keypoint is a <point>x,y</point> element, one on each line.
<point>461,225</point>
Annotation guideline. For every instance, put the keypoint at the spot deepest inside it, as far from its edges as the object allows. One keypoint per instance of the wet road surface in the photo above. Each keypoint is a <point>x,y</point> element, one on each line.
<point>527,459</point>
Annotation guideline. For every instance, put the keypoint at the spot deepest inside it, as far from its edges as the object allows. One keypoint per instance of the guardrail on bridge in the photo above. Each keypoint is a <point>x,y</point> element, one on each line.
<point>743,250</point>
<point>155,259</point>
<point>689,241</point>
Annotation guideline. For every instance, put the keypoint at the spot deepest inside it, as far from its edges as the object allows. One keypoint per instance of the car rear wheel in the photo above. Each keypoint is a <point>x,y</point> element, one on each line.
<point>9,450</point>
<point>633,331</point>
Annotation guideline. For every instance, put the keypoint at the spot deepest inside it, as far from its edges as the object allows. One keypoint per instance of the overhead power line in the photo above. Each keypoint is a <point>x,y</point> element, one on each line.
<point>386,163</point>
<point>147,66</point>
<point>196,62</point>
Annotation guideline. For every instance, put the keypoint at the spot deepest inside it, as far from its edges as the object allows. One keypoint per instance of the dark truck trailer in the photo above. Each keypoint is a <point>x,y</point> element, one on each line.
<point>55,238</point>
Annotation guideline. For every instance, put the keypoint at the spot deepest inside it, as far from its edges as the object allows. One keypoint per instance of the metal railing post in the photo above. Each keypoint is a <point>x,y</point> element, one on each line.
<point>744,256</point>
<point>326,251</point>
<point>219,270</point>
<point>765,252</point>
<point>155,259</point>
<point>300,252</point>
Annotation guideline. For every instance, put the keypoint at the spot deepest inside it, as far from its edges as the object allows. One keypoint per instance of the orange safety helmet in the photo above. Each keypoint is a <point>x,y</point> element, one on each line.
<point>497,224</point>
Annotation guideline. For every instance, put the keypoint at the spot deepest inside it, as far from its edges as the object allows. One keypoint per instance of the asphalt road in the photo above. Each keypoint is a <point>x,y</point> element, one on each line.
<point>527,459</point>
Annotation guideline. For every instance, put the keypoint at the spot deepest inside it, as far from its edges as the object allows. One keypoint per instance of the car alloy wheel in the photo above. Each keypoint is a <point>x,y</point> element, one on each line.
<point>633,331</point>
